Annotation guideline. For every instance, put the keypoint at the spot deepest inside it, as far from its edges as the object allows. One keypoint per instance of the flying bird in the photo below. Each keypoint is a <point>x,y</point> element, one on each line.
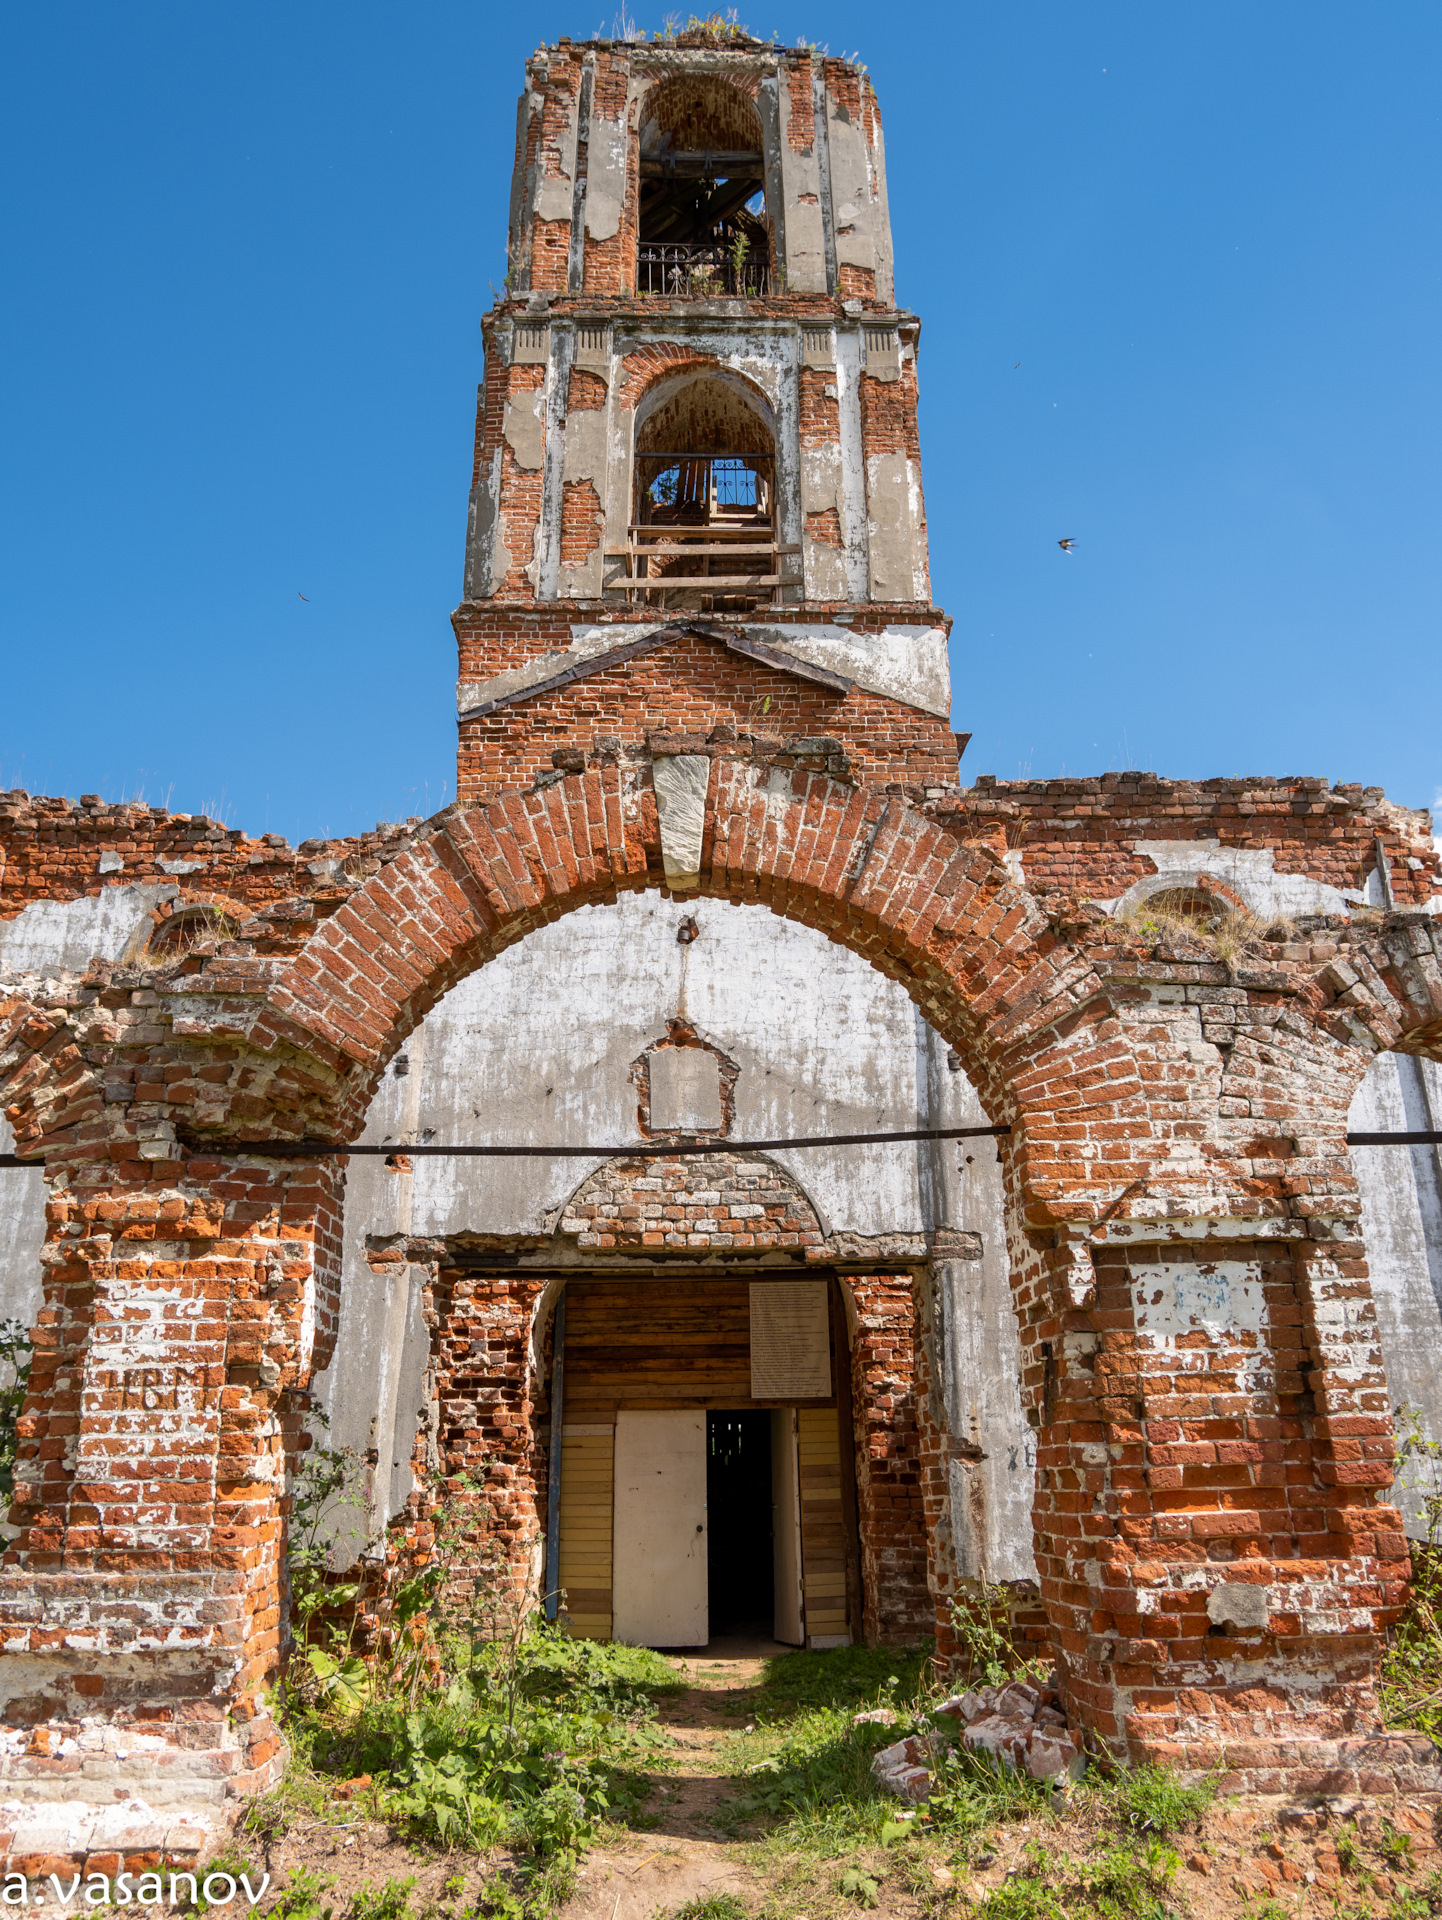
<point>302,596</point>
<point>1066,545</point>
<point>1019,363</point>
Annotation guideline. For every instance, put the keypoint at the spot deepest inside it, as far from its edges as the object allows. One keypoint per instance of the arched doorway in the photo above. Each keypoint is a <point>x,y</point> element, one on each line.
<point>1139,1198</point>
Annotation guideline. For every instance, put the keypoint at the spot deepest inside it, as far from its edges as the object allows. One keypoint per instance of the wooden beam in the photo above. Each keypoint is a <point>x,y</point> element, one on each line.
<point>702,582</point>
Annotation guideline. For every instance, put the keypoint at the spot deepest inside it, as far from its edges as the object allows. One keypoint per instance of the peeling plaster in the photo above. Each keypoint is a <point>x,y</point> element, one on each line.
<point>892,496</point>
<point>1217,1298</point>
<point>605,178</point>
<point>903,663</point>
<point>1250,872</point>
<point>523,430</point>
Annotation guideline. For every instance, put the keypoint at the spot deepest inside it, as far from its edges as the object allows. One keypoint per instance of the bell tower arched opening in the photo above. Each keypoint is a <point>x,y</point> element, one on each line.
<point>704,517</point>
<point>703,229</point>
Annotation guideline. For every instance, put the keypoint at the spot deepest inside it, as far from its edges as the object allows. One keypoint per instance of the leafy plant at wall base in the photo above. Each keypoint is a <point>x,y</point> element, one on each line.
<point>389,1902</point>
<point>1412,1663</point>
<point>1153,1800</point>
<point>859,1885</point>
<point>302,1899</point>
<point>327,1483</point>
<point>981,1621</point>
<point>16,1354</point>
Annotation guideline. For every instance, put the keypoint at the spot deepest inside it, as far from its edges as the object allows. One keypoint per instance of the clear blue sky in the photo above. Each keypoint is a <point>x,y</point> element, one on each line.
<point>246,250</point>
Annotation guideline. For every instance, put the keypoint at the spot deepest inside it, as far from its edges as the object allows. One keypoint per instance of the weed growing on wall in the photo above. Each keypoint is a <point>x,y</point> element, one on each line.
<point>328,1484</point>
<point>987,1651</point>
<point>16,1353</point>
<point>1412,1665</point>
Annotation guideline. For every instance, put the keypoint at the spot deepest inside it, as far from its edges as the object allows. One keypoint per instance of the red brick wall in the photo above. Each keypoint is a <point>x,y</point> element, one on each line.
<point>888,414</point>
<point>50,850</point>
<point>1079,835</point>
<point>489,1411</point>
<point>897,1605</point>
<point>490,414</point>
<point>801,130</point>
<point>582,522</point>
<point>585,392</point>
<point>551,239</point>
<point>825,527</point>
<point>521,490</point>
<point>820,409</point>
<point>693,686</point>
<point>719,1200</point>
<point>610,264</point>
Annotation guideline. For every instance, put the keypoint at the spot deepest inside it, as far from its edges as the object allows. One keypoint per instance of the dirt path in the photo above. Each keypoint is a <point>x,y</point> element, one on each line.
<point>682,1858</point>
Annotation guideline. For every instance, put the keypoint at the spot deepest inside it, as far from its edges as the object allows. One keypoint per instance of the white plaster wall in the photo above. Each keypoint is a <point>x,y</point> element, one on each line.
<point>538,1045</point>
<point>1251,872</point>
<point>801,192</point>
<point>1402,1229</point>
<point>48,939</point>
<point>852,198</point>
<point>52,936</point>
<point>22,1234</point>
<point>992,1493</point>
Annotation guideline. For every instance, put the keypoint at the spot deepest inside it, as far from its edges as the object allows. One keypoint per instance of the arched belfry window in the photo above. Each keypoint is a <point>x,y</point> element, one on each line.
<point>703,226</point>
<point>703,526</point>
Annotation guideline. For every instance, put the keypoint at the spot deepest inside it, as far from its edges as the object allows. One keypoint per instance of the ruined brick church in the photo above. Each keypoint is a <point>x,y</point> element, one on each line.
<point>1128,1350</point>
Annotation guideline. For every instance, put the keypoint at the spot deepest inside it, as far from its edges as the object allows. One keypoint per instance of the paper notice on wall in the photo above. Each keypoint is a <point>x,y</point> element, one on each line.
<point>790,1340</point>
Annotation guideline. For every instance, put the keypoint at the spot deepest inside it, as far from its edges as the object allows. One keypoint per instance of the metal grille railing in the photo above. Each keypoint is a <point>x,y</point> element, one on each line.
<point>692,486</point>
<point>700,272</point>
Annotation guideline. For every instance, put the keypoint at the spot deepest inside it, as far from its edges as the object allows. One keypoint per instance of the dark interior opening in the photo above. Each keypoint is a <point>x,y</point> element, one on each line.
<point>740,1592</point>
<point>703,229</point>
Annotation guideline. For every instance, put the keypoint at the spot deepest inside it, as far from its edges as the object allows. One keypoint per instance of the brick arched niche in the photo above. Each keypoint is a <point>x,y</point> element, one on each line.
<point>1215,1567</point>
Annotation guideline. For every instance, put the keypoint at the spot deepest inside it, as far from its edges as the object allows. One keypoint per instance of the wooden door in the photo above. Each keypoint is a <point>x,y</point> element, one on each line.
<point>659,1563</point>
<point>823,1527</point>
<point>786,1527</point>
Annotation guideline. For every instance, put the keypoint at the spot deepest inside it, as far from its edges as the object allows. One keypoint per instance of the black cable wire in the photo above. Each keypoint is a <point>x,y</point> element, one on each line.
<point>1394,1139</point>
<point>642,1150</point>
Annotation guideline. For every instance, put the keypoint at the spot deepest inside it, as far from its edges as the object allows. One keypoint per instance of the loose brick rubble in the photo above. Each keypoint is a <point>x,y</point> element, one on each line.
<point>1019,1724</point>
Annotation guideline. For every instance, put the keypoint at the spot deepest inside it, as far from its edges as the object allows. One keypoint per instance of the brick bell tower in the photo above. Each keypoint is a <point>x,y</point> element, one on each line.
<point>697,501</point>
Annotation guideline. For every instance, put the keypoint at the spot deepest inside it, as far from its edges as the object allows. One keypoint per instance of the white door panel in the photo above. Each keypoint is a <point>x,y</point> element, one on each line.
<point>659,1564</point>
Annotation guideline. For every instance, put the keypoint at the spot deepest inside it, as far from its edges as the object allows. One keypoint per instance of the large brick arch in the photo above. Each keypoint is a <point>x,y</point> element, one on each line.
<point>47,1086</point>
<point>935,912</point>
<point>1384,993</point>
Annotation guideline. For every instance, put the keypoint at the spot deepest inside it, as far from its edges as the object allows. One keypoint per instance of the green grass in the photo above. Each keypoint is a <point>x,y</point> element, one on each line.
<point>547,1745</point>
<point>1153,1800</point>
<point>804,1776</point>
<point>851,1677</point>
<point>713,1906</point>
